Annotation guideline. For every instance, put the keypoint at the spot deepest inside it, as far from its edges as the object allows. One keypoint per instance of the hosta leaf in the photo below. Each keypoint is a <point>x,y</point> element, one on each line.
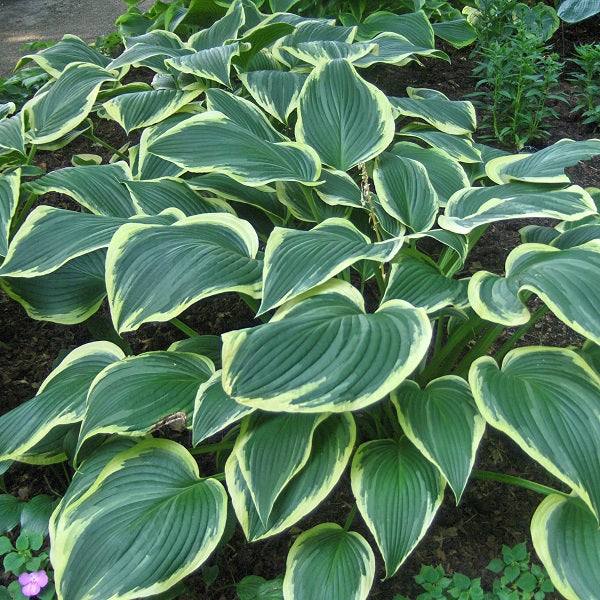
<point>210,142</point>
<point>60,399</point>
<point>546,399</point>
<point>443,422</point>
<point>322,352</point>
<point>7,108</point>
<point>51,237</point>
<point>445,173</point>
<point>69,50</point>
<point>577,237</point>
<point>12,135</point>
<point>155,195</point>
<point>131,396</point>
<point>546,166</point>
<point>459,32</point>
<point>212,63</point>
<point>276,92</point>
<point>449,116</point>
<point>150,55</point>
<point>141,109</point>
<point>556,276</point>
<point>296,261</point>
<point>413,25</point>
<point>344,118</point>
<point>229,189</point>
<point>329,562</point>
<point>331,447</point>
<point>270,450</point>
<point>205,345</point>
<point>396,49</point>
<point>100,543</point>
<point>243,113</point>
<point>573,11</point>
<point>405,192</point>
<point>459,147</point>
<point>320,51</point>
<point>471,207</point>
<point>214,410</point>
<point>302,203</point>
<point>53,113</point>
<point>260,37</point>
<point>398,492</point>
<point>423,285</point>
<point>214,253</point>
<point>566,537</point>
<point>71,294</point>
<point>338,188</point>
<point>9,197</point>
<point>221,31</point>
<point>10,512</point>
<point>97,187</point>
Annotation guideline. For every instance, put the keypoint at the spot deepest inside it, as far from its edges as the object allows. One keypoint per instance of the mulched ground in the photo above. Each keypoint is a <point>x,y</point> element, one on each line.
<point>464,538</point>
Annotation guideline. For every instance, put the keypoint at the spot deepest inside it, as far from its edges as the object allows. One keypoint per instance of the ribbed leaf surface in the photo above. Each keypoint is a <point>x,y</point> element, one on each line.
<point>221,31</point>
<point>59,401</point>
<point>100,188</point>
<point>55,112</point>
<point>194,258</point>
<point>344,118</point>
<point>331,446</point>
<point>296,261</point>
<point>546,399</point>
<point>405,192</point>
<point>396,50</point>
<point>132,396</point>
<point>9,197</point>
<point>12,135</point>
<point>328,562</point>
<point>443,422</point>
<point>210,142</point>
<point>151,491</point>
<point>556,276</point>
<point>323,353</point>
<point>476,206</point>
<point>566,537</point>
<point>398,492</point>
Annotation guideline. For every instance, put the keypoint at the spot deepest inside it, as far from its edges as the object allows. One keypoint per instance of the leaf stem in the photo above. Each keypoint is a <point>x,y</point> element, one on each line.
<point>106,145</point>
<point>519,333</point>
<point>350,518</point>
<point>226,445</point>
<point>183,327</point>
<point>519,481</point>
<point>479,349</point>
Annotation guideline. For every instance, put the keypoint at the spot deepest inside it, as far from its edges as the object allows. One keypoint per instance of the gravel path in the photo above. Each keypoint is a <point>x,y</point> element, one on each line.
<point>26,21</point>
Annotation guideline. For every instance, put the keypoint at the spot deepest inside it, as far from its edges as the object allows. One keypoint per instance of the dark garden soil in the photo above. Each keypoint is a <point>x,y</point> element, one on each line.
<point>464,538</point>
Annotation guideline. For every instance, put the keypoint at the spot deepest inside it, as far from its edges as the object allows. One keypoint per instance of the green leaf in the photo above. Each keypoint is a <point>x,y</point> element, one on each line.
<point>60,399</point>
<point>456,117</point>
<point>328,562</point>
<point>422,285</point>
<point>238,154</point>
<point>393,483</point>
<point>459,147</point>
<point>322,352</point>
<point>131,396</point>
<point>36,514</point>
<point>546,166</point>
<point>97,187</point>
<point>212,63</point>
<point>150,491</point>
<point>10,513</point>
<point>566,537</point>
<point>13,562</point>
<point>12,135</point>
<point>205,345</point>
<point>296,261</point>
<point>338,189</point>
<point>322,51</point>
<point>145,108</point>
<point>475,206</point>
<point>414,26</point>
<point>70,49</point>
<point>54,112</point>
<point>214,410</point>
<point>253,587</point>
<point>546,399</point>
<point>344,118</point>
<point>223,30</point>
<point>277,92</point>
<point>459,32</point>
<point>5,544</point>
<point>573,11</point>
<point>9,198</point>
<point>443,422</point>
<point>331,446</point>
<point>405,192</point>
<point>556,276</point>
<point>220,247</point>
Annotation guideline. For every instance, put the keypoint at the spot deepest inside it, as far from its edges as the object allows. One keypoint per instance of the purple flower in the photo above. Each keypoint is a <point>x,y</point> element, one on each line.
<point>32,583</point>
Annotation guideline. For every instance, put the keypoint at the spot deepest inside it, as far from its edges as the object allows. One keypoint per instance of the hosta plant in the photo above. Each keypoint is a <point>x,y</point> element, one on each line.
<point>263,163</point>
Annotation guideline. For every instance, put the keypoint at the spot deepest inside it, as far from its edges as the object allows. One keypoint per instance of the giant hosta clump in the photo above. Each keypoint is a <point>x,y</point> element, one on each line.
<point>269,167</point>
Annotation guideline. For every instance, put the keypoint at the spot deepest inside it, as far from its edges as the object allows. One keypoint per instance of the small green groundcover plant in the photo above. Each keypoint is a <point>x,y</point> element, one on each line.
<point>262,163</point>
<point>586,78</point>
